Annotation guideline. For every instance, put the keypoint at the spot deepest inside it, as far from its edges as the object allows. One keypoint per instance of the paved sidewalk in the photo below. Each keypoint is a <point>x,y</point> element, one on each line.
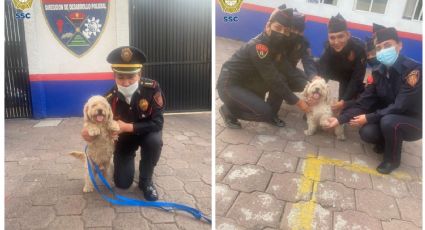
<point>44,184</point>
<point>277,178</point>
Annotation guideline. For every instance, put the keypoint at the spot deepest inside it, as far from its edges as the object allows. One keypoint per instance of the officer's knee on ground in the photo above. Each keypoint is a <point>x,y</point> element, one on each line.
<point>123,181</point>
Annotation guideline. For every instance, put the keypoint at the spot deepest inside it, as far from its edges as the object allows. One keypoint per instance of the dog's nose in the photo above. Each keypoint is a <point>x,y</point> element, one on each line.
<point>316,90</point>
<point>99,111</point>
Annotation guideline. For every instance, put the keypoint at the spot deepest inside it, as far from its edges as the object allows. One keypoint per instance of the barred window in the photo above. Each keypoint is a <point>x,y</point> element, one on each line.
<point>329,2</point>
<point>375,6</point>
<point>413,10</point>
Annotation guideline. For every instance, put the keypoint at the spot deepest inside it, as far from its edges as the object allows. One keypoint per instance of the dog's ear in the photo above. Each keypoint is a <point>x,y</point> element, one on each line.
<point>110,115</point>
<point>304,93</point>
<point>86,112</point>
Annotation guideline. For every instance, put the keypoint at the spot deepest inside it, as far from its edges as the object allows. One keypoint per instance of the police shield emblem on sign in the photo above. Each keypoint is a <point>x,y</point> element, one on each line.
<point>230,6</point>
<point>76,24</point>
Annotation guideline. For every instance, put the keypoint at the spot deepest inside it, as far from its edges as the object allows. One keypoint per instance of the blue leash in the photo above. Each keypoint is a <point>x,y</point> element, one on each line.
<point>125,201</point>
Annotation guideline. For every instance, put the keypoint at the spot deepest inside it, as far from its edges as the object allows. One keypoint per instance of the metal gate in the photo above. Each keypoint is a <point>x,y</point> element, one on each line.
<point>17,89</point>
<point>176,37</point>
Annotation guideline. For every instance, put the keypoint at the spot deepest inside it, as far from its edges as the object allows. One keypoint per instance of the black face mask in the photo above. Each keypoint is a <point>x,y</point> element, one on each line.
<point>373,62</point>
<point>277,39</point>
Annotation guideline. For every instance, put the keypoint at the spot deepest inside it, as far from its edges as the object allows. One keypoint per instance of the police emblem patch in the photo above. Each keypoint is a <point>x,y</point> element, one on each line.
<point>262,50</point>
<point>158,99</point>
<point>126,54</point>
<point>22,4</point>
<point>412,78</point>
<point>230,6</point>
<point>369,80</point>
<point>143,105</point>
<point>77,25</point>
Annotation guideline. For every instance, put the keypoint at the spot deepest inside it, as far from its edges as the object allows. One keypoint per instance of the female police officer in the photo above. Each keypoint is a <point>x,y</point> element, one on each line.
<point>251,72</point>
<point>389,111</point>
<point>137,104</point>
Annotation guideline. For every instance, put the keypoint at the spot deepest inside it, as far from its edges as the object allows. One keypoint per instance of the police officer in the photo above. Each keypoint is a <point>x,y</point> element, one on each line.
<point>389,111</point>
<point>137,104</point>
<point>343,60</point>
<point>251,72</point>
<point>371,53</point>
<point>297,50</point>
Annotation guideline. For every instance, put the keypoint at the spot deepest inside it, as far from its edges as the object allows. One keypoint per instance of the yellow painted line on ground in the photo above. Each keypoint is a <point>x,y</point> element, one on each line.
<point>302,213</point>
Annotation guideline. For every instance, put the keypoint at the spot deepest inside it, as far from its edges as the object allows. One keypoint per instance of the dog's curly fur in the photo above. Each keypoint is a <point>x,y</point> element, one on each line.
<point>98,120</point>
<point>321,110</point>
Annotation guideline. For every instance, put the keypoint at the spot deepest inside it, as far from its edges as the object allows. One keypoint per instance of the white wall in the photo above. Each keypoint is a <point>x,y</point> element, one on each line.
<point>47,56</point>
<point>392,17</point>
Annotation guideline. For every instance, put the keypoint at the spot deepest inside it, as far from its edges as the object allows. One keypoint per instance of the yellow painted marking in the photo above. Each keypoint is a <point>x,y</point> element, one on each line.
<point>302,213</point>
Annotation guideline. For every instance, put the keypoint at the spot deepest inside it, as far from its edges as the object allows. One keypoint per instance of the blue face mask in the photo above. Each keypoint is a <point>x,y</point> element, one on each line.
<point>387,56</point>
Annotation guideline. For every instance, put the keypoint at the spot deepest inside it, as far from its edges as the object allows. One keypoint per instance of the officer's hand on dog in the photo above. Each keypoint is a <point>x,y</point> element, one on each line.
<point>358,120</point>
<point>85,135</point>
<point>332,123</point>
<point>125,127</point>
<point>302,105</point>
<point>338,106</point>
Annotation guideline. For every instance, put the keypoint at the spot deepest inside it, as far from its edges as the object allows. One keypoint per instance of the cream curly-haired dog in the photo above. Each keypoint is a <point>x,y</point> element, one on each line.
<point>98,120</point>
<point>317,91</point>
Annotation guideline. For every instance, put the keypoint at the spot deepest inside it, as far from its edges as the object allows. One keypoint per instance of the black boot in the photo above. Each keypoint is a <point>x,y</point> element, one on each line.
<point>229,120</point>
<point>149,190</point>
<point>278,122</point>
<point>387,167</point>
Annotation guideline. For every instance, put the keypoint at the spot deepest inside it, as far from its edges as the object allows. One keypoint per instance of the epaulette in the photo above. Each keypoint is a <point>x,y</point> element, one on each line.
<point>108,96</point>
<point>148,83</point>
<point>410,63</point>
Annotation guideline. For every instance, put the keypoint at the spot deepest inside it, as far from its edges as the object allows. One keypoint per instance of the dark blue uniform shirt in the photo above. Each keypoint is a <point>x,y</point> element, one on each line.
<point>254,64</point>
<point>393,90</point>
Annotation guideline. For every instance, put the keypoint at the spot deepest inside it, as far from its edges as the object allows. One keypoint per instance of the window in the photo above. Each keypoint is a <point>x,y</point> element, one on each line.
<point>413,10</point>
<point>376,6</point>
<point>329,2</point>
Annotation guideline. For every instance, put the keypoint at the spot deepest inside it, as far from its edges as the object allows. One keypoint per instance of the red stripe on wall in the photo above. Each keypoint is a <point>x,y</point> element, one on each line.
<point>72,77</point>
<point>71,1</point>
<point>351,25</point>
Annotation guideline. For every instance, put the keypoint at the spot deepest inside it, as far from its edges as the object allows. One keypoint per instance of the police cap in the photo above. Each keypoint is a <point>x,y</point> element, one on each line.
<point>377,27</point>
<point>282,15</point>
<point>337,24</point>
<point>298,21</point>
<point>126,59</point>
<point>386,34</point>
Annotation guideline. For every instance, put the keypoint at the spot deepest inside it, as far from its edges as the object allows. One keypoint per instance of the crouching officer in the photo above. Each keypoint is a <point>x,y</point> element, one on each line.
<point>344,60</point>
<point>137,104</point>
<point>251,72</point>
<point>297,50</point>
<point>390,108</point>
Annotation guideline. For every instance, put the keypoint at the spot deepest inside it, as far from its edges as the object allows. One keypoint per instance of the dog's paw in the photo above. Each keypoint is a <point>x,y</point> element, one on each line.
<point>308,132</point>
<point>88,189</point>
<point>93,131</point>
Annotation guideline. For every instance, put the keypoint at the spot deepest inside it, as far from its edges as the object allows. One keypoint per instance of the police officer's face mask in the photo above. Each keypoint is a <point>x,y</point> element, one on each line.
<point>387,56</point>
<point>128,91</point>
<point>277,39</point>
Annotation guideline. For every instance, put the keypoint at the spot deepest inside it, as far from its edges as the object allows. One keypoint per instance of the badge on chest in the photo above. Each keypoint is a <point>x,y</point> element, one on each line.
<point>143,105</point>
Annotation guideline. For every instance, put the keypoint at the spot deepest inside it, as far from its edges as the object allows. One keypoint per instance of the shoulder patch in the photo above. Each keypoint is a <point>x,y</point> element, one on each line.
<point>262,50</point>
<point>148,83</point>
<point>369,80</point>
<point>412,78</point>
<point>158,99</point>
